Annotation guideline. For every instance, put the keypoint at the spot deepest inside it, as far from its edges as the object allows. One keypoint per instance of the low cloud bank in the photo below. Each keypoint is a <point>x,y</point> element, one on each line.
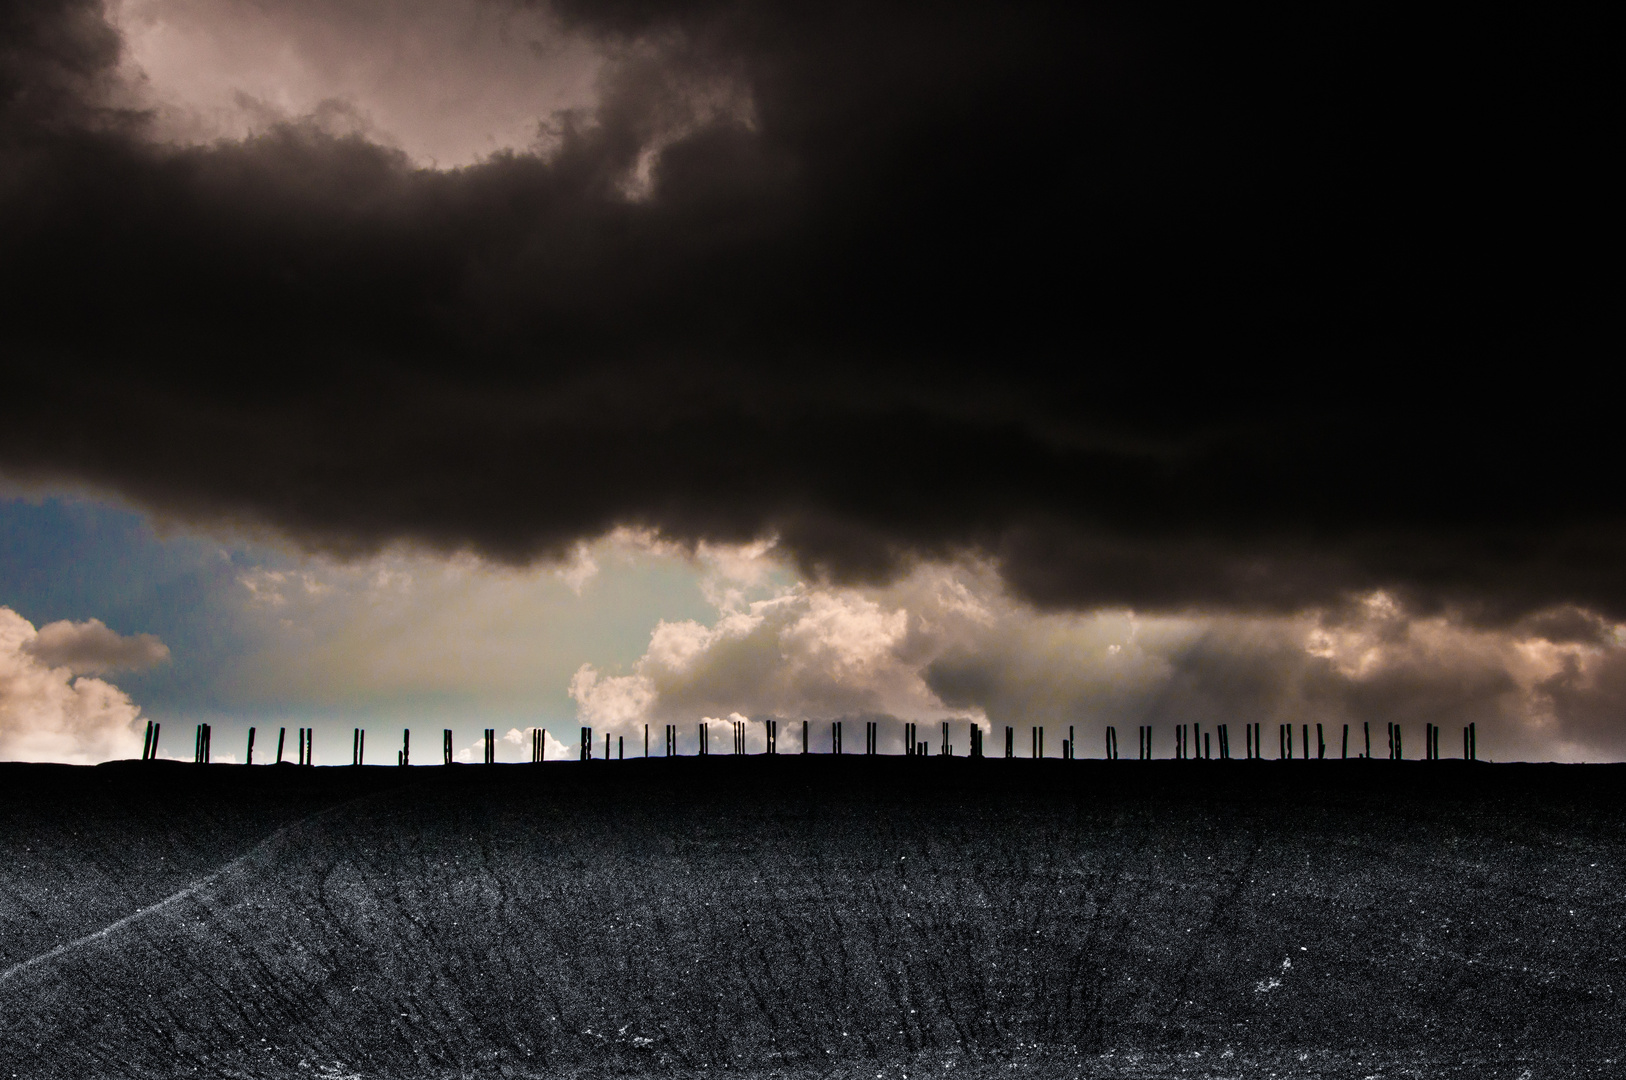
<point>950,642</point>
<point>50,712</point>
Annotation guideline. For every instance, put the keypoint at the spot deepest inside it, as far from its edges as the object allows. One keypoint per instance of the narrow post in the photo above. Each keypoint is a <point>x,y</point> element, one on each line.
<point>804,736</point>
<point>406,746</point>
<point>446,746</point>
<point>146,741</point>
<point>1346,742</point>
<point>1320,743</point>
<point>282,737</point>
<point>606,746</point>
<point>355,746</point>
<point>1473,740</point>
<point>835,736</point>
<point>646,740</point>
<point>946,738</point>
<point>621,748</point>
<point>1366,730</point>
<point>250,746</point>
<point>363,760</point>
<point>1010,741</point>
<point>300,752</point>
<point>156,728</point>
<point>1400,749</point>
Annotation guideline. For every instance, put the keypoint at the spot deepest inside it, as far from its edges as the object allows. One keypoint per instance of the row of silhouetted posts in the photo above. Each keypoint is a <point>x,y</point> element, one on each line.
<point>1190,742</point>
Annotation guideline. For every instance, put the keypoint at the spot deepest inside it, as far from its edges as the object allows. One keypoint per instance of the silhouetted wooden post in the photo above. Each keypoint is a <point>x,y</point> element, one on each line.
<point>282,738</point>
<point>1320,743</point>
<point>804,736</point>
<point>1346,742</point>
<point>1473,740</point>
<point>146,741</point>
<point>646,740</point>
<point>1010,741</point>
<point>157,727</point>
<point>406,746</point>
<point>835,736</point>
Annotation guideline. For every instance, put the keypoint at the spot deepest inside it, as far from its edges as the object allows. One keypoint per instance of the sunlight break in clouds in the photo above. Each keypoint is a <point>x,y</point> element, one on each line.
<point>449,83</point>
<point>50,712</point>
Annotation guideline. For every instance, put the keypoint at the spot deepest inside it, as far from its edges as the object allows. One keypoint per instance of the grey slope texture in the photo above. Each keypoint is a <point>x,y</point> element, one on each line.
<point>81,849</point>
<point>854,917</point>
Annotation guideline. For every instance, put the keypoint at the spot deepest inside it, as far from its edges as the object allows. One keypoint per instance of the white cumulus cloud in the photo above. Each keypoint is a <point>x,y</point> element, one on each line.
<point>50,713</point>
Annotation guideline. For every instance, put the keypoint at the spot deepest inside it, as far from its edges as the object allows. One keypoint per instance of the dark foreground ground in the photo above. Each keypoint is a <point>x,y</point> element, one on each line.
<point>810,917</point>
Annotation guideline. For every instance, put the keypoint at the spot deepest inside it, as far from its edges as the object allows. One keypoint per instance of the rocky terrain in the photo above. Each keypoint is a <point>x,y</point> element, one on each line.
<point>814,916</point>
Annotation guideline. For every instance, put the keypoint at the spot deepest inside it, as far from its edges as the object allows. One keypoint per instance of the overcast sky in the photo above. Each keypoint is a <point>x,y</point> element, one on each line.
<point>1110,363</point>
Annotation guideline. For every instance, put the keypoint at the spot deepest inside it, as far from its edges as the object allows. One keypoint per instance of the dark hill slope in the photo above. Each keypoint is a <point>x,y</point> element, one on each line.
<point>808,916</point>
<point>82,848</point>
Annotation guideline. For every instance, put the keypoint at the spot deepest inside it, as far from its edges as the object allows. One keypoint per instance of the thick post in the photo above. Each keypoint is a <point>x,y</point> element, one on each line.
<point>835,737</point>
<point>146,741</point>
<point>1473,740</point>
<point>282,737</point>
<point>1346,742</point>
<point>1320,743</point>
<point>804,736</point>
<point>1010,741</point>
<point>621,748</point>
<point>406,746</point>
<point>1366,730</point>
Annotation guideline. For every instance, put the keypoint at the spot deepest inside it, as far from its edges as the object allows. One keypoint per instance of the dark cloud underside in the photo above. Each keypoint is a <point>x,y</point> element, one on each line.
<point>1162,305</point>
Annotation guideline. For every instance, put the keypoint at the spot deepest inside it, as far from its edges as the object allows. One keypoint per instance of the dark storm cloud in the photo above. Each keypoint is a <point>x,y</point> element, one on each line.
<point>1162,305</point>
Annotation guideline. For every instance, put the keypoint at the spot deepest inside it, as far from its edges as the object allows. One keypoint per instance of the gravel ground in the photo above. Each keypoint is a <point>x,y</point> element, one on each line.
<point>815,917</point>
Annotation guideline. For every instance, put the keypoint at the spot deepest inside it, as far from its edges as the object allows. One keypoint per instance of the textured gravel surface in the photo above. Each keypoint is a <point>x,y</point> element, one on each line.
<point>815,917</point>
